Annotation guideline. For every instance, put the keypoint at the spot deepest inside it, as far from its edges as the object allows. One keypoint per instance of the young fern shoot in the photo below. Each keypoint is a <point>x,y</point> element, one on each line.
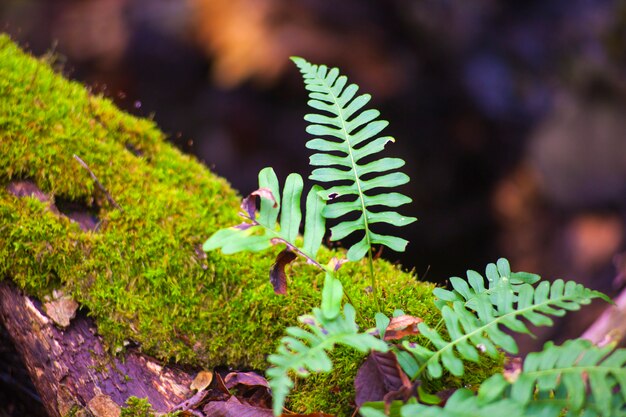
<point>346,135</point>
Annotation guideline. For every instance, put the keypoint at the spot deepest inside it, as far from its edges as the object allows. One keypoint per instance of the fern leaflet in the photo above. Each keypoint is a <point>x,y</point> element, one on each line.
<point>473,315</point>
<point>305,350</point>
<point>351,133</point>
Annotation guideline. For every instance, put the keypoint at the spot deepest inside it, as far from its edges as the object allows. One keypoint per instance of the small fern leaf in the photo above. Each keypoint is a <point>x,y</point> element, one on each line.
<point>268,214</point>
<point>290,214</point>
<point>561,377</point>
<point>260,230</point>
<point>346,129</point>
<point>474,316</point>
<point>304,351</point>
<point>314,223</point>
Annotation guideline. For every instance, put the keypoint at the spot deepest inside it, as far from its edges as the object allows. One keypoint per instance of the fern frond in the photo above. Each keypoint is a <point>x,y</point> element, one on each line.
<point>575,379</point>
<point>260,230</point>
<point>561,377</point>
<point>473,315</point>
<point>304,351</point>
<point>344,128</point>
<point>463,403</point>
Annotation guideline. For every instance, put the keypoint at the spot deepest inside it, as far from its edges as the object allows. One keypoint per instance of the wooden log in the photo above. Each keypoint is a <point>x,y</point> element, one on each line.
<point>73,371</point>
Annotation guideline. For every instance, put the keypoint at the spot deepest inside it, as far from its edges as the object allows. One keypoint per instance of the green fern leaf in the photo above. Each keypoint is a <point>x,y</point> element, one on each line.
<point>347,129</point>
<point>260,230</point>
<point>304,351</point>
<point>562,375</point>
<point>463,403</point>
<point>474,314</point>
<point>290,215</point>
<point>268,213</point>
<point>575,379</point>
<point>314,223</point>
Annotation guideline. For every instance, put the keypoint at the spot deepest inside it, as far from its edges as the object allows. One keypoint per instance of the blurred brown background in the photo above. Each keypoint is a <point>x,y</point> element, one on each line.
<point>511,115</point>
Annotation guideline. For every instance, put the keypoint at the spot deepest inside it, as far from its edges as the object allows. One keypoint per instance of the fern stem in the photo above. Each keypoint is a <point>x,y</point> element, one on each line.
<point>345,292</point>
<point>370,261</point>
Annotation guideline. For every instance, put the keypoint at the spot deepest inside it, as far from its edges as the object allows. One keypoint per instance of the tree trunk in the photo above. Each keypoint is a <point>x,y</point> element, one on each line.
<point>71,369</point>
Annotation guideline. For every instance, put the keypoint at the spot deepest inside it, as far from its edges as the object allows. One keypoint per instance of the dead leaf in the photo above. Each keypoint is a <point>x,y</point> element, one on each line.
<point>379,375</point>
<point>61,309</point>
<point>277,273</point>
<point>250,388</point>
<point>250,379</point>
<point>234,408</point>
<point>402,326</point>
<point>512,369</point>
<point>202,380</point>
<point>335,263</point>
<point>221,386</point>
<point>248,204</point>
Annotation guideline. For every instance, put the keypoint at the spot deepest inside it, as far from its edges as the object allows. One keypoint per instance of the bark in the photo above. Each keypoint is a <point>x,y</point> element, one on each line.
<point>73,371</point>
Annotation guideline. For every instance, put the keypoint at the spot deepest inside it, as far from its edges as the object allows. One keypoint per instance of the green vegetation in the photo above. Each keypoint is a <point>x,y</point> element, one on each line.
<point>141,407</point>
<point>142,274</point>
<point>143,277</point>
<point>549,383</point>
<point>347,154</point>
<point>473,315</point>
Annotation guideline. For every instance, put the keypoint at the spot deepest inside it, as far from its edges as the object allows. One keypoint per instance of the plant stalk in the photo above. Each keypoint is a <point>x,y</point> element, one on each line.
<point>370,260</point>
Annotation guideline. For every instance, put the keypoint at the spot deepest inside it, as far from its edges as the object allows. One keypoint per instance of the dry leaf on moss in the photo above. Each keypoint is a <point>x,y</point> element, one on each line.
<point>379,375</point>
<point>402,326</point>
<point>277,273</point>
<point>245,378</point>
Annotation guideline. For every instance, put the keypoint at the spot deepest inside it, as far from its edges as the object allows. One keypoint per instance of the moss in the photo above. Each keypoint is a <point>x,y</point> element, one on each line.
<point>141,274</point>
<point>141,407</point>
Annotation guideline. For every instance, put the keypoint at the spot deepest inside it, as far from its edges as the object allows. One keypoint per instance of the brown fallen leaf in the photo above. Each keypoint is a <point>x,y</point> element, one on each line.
<point>512,369</point>
<point>245,378</point>
<point>61,308</point>
<point>277,273</point>
<point>402,326</point>
<point>234,408</point>
<point>379,375</point>
<point>335,263</point>
<point>250,388</point>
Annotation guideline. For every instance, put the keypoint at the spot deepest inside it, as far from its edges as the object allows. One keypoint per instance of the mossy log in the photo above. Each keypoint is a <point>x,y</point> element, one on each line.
<point>118,226</point>
<point>72,370</point>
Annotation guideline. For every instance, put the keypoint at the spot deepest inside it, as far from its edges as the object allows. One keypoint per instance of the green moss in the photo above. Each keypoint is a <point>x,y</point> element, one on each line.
<point>141,274</point>
<point>141,407</point>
